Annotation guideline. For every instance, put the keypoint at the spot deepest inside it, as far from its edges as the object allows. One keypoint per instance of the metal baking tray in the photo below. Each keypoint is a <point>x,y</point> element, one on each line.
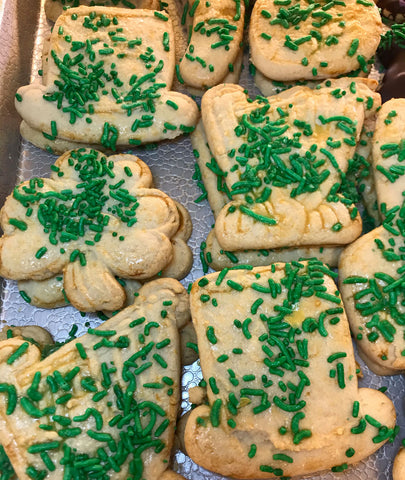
<point>23,28</point>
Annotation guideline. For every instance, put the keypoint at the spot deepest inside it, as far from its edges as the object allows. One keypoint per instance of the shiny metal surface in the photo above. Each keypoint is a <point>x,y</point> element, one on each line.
<point>22,30</point>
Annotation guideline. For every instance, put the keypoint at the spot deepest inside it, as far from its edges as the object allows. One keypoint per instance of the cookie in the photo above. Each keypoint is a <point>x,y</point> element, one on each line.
<point>388,153</point>
<point>95,219</point>
<point>361,173</point>
<point>303,41</point>
<point>182,259</point>
<point>277,357</point>
<point>54,8</point>
<point>218,259</point>
<point>269,87</point>
<point>259,148</point>
<point>104,404</point>
<point>49,293</point>
<point>106,82</point>
<point>371,270</point>
<point>211,176</point>
<point>175,10</point>
<point>32,333</point>
<point>215,42</point>
<point>398,469</point>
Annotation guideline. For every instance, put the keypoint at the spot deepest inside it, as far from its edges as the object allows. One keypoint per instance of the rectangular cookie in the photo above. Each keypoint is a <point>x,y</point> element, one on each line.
<point>280,163</point>
<point>277,358</point>
<point>301,40</point>
<point>106,81</point>
<point>371,269</point>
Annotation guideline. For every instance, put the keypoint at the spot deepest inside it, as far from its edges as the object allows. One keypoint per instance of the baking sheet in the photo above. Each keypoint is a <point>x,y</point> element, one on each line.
<point>22,29</point>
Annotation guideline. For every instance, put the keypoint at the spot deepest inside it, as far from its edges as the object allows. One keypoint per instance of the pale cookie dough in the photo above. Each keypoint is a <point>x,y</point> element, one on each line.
<point>54,8</point>
<point>215,42</point>
<point>95,219</point>
<point>107,79</point>
<point>372,269</point>
<point>306,41</point>
<point>281,161</point>
<point>277,357</point>
<point>103,405</point>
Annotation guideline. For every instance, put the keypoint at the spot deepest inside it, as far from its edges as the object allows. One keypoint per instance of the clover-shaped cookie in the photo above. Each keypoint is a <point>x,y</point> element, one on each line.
<point>106,81</point>
<point>281,162</point>
<point>372,269</point>
<point>95,219</point>
<point>277,357</point>
<point>54,8</point>
<point>104,405</point>
<point>49,293</point>
<point>304,40</point>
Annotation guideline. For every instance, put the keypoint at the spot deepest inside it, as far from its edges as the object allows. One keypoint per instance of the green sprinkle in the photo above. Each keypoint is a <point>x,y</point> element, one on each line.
<point>282,457</point>
<point>234,285</point>
<point>11,392</point>
<point>21,225</point>
<point>18,353</point>
<point>353,47</point>
<point>215,414</point>
<point>335,356</point>
<point>252,450</point>
<point>41,252</point>
<point>25,296</point>
<point>211,335</point>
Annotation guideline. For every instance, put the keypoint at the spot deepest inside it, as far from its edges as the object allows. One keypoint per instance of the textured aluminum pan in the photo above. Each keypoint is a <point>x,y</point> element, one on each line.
<point>22,30</point>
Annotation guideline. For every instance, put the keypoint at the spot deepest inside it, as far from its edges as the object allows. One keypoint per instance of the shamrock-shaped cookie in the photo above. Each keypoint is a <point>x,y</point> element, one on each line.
<point>277,358</point>
<point>95,219</point>
<point>107,76</point>
<point>104,405</point>
<point>372,269</point>
<point>280,162</point>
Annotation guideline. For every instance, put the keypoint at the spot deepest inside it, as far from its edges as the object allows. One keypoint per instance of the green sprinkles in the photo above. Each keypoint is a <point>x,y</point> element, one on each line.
<point>283,350</point>
<point>59,213</point>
